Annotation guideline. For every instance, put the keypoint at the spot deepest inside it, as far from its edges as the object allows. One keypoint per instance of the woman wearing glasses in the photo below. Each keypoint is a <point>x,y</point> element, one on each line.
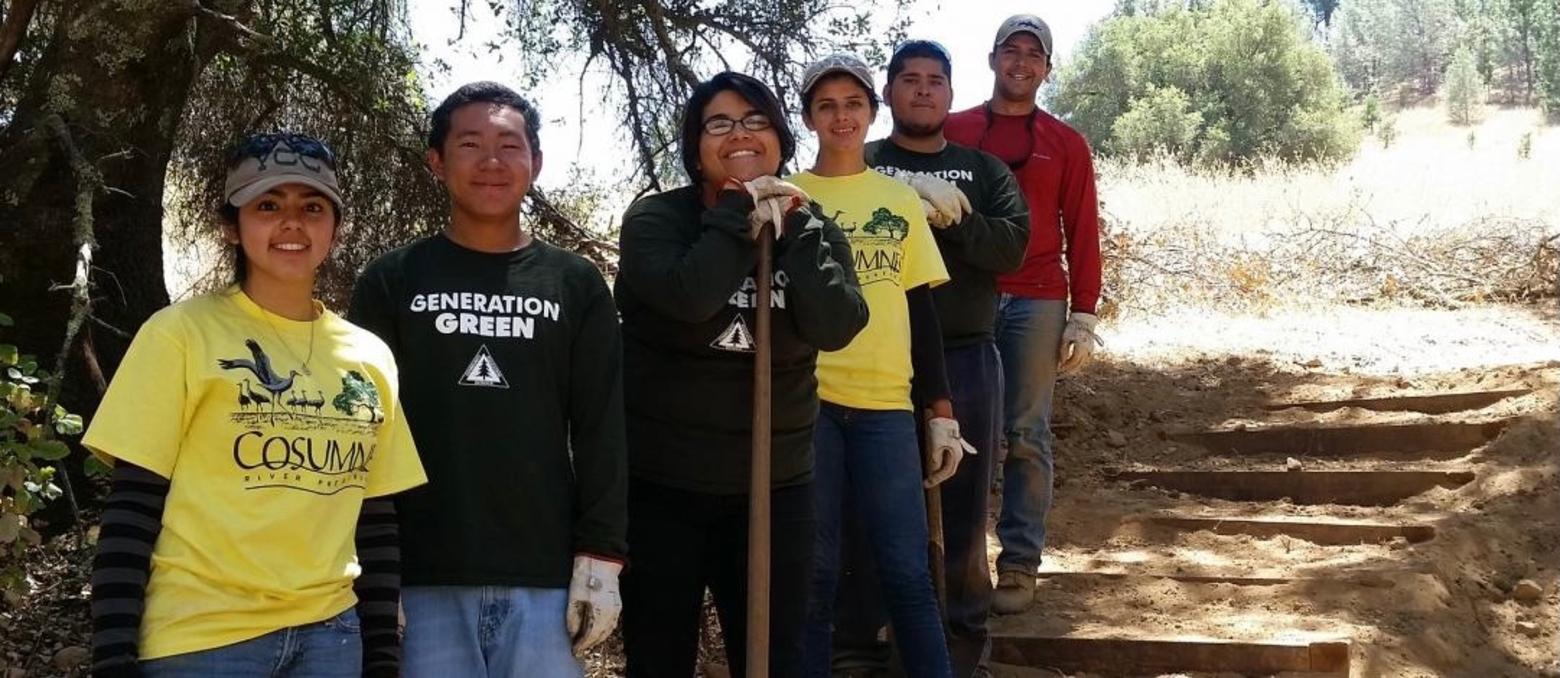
<point>686,292</point>
<point>255,438</point>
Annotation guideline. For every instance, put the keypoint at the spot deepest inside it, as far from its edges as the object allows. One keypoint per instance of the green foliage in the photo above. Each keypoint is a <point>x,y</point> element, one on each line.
<point>1371,115</point>
<point>1159,122</point>
<point>30,429</point>
<point>1246,69</point>
<point>1381,44</point>
<point>1464,89</point>
<point>1547,59</point>
<point>1387,132</point>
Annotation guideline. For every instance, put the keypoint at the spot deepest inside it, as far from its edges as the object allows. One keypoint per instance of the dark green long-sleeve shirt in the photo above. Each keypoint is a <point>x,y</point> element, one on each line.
<point>686,292</point>
<point>987,243</point>
<point>511,381</point>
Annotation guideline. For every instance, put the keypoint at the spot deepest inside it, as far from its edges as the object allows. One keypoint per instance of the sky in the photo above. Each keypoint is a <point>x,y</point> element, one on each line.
<point>582,129</point>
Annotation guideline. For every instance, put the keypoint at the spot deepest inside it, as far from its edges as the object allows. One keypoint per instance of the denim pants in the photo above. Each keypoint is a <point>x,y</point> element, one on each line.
<point>329,649</point>
<point>870,461</point>
<point>486,632</point>
<point>975,377</point>
<point>1029,334</point>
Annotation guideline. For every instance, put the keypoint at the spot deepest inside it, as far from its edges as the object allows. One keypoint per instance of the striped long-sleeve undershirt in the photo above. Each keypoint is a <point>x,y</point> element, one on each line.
<point>132,519</point>
<point>378,588</point>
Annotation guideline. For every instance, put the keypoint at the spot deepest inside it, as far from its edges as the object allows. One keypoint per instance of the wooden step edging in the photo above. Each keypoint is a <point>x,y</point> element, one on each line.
<point>1137,656</point>
<point>1358,488</point>
<point>1434,403</point>
<point>1325,533</point>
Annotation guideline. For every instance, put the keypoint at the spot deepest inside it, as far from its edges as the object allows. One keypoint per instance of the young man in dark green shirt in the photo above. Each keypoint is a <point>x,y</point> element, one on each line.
<point>981,225</point>
<point>510,362</point>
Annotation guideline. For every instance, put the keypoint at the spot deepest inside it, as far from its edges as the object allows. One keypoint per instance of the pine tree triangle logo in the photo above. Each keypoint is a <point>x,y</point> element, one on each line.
<point>483,371</point>
<point>737,337</point>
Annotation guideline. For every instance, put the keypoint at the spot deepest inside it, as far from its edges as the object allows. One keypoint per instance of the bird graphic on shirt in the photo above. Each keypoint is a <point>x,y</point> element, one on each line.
<point>264,375</point>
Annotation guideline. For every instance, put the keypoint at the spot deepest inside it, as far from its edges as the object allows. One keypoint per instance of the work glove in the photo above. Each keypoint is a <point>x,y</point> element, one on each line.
<point>1078,342</point>
<point>773,201</point>
<point>944,203</point>
<point>944,449</point>
<point>594,603</point>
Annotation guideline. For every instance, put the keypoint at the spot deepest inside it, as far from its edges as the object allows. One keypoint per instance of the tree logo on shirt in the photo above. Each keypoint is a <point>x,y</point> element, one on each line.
<point>483,371</point>
<point>358,398</point>
<point>736,337</point>
<point>888,224</point>
<point>878,246</point>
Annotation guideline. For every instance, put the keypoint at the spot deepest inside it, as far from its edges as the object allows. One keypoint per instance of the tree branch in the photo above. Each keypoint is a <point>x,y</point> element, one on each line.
<point>88,183</point>
<point>15,28</point>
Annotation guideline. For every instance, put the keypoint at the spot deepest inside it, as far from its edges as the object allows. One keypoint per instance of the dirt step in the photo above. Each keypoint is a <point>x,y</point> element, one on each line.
<point>1323,532</point>
<point>1154,656</point>
<point>1435,403</point>
<point>1360,488</point>
<point>1380,579</point>
<point>1345,440</point>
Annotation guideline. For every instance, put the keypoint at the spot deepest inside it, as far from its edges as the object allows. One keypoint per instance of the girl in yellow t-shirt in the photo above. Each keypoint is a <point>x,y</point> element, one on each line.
<point>867,452</point>
<point>255,438</point>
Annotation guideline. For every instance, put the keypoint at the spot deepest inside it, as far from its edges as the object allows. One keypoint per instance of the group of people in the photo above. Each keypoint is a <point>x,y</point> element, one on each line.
<point>453,479</point>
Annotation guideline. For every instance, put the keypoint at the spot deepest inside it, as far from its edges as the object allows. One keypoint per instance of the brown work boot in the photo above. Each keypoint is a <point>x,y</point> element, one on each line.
<point>1015,592</point>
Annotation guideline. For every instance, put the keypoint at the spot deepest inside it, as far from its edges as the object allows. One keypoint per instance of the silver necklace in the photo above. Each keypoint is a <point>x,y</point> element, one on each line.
<point>304,369</point>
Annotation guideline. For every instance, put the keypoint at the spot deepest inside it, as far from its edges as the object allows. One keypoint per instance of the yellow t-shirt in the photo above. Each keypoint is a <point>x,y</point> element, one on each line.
<point>268,467</point>
<point>894,251</point>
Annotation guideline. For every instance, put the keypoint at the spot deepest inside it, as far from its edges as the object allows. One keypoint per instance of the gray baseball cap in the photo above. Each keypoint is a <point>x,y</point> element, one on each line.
<point>1025,23</point>
<point>282,164</point>
<point>837,63</point>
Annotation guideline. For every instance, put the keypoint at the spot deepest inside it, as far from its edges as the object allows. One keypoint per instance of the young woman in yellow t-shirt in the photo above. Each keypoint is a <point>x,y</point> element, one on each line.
<point>255,437</point>
<point>868,454</point>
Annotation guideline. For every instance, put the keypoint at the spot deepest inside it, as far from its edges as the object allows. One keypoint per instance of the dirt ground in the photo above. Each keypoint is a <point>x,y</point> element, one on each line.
<point>1446,607</point>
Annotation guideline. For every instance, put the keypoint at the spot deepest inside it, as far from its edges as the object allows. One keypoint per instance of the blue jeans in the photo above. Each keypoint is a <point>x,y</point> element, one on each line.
<point>329,649</point>
<point>871,461</point>
<point>975,377</point>
<point>1029,334</point>
<point>486,632</point>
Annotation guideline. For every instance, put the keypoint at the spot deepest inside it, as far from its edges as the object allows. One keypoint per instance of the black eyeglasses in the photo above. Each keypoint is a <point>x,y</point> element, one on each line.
<point>261,146</point>
<point>721,125</point>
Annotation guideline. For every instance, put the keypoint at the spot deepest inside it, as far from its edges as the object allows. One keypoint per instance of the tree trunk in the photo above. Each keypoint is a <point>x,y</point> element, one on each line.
<point>117,74</point>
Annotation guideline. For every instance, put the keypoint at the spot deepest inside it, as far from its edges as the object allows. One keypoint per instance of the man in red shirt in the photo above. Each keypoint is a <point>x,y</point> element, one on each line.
<point>1045,314</point>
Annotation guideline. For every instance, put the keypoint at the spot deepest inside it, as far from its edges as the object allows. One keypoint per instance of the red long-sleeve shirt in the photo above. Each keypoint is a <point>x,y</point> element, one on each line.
<point>1057,180</point>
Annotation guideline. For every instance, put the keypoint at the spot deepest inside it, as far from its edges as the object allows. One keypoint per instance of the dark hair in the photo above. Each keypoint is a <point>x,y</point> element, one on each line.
<point>918,49</point>
<point>756,93</point>
<point>807,95</point>
<point>484,92</point>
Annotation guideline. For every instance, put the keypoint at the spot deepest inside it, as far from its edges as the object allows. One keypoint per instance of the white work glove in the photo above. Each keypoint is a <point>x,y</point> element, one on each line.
<point>944,449</point>
<point>1078,342</point>
<point>594,603</point>
<point>945,204</point>
<point>773,201</point>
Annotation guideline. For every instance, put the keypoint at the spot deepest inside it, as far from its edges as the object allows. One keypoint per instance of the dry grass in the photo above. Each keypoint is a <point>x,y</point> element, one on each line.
<point>1427,220</point>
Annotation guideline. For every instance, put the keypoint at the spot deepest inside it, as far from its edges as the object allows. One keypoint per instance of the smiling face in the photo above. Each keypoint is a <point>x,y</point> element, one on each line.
<point>285,233</point>
<point>919,97</point>
<point>840,112</point>
<point>1020,65</point>
<point>741,154</point>
<point>487,162</point>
